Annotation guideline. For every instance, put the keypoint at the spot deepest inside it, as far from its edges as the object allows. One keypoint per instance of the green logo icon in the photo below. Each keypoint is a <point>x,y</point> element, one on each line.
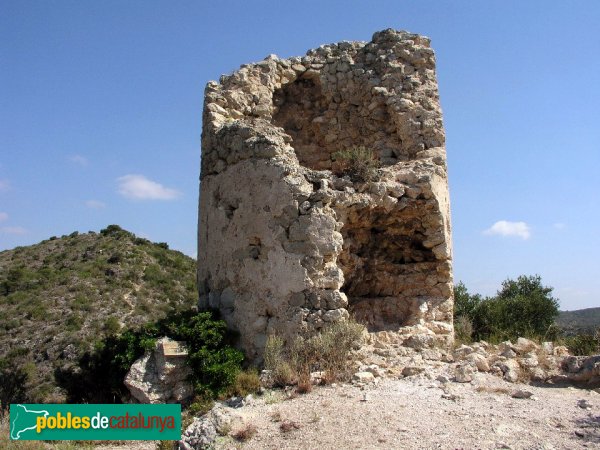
<point>95,422</point>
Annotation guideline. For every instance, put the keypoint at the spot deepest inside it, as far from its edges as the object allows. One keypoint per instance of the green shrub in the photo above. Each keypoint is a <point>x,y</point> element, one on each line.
<point>522,307</point>
<point>112,325</point>
<point>200,405</point>
<point>246,382</point>
<point>583,344</point>
<point>465,304</point>
<point>13,379</point>
<point>359,163</point>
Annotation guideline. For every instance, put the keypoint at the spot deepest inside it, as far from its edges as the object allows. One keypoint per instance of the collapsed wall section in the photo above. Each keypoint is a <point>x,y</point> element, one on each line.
<point>287,241</point>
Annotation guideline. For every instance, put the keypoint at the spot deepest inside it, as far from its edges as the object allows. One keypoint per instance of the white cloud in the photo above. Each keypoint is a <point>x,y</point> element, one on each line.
<point>79,160</point>
<point>138,187</point>
<point>506,228</point>
<point>13,230</point>
<point>4,185</point>
<point>95,204</point>
<point>3,216</point>
<point>559,226</point>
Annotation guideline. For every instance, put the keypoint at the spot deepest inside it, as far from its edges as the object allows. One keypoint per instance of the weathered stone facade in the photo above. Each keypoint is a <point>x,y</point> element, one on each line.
<point>286,242</point>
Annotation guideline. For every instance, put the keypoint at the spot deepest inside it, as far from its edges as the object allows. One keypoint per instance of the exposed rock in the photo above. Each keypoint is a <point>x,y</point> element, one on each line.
<point>529,360</point>
<point>289,240</point>
<point>548,348</point>
<point>561,350</point>
<point>582,369</point>
<point>199,435</point>
<point>538,374</point>
<point>463,373</point>
<point>442,379</point>
<point>203,431</point>
<point>508,353</point>
<point>375,370</point>
<point>160,376</point>
<point>432,354</point>
<point>363,377</point>
<point>525,346</point>
<point>461,352</point>
<point>479,361</point>
<point>510,369</point>
<point>521,393</point>
<point>410,371</point>
<point>584,404</point>
<point>506,345</point>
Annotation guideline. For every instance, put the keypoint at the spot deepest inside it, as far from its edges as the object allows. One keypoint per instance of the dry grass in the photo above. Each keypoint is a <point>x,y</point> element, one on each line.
<point>327,351</point>
<point>289,425</point>
<point>304,384</point>
<point>276,416</point>
<point>246,433</point>
<point>359,163</point>
<point>463,331</point>
<point>277,362</point>
<point>6,443</point>
<point>246,382</point>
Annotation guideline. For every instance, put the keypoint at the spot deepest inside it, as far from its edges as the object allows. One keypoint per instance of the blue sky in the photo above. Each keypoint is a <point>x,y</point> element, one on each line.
<point>101,106</point>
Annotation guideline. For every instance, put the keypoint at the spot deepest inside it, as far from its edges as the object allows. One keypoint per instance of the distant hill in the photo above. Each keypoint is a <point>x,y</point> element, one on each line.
<point>579,321</point>
<point>61,296</point>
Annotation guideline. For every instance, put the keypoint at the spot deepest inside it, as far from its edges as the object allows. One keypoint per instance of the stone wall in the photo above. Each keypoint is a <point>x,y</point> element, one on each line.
<point>286,242</point>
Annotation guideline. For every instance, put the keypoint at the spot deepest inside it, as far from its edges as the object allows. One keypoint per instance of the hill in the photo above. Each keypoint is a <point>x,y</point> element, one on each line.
<point>60,297</point>
<point>579,321</point>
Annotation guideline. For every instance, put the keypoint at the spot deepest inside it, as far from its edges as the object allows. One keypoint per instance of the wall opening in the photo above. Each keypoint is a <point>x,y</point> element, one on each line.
<point>323,121</point>
<point>384,263</point>
<point>299,108</point>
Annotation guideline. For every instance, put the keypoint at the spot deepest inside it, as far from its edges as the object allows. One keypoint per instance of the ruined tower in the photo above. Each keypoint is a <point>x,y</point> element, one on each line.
<point>289,239</point>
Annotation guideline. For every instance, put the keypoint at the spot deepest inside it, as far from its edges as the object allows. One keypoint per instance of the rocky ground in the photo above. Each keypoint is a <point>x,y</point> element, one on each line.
<point>417,412</point>
<point>479,396</point>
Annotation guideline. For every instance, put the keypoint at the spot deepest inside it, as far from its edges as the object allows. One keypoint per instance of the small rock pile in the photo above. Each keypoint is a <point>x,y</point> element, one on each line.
<point>521,361</point>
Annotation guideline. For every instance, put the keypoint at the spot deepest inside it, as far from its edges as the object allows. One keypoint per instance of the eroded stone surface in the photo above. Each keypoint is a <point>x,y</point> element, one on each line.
<point>160,376</point>
<point>287,243</point>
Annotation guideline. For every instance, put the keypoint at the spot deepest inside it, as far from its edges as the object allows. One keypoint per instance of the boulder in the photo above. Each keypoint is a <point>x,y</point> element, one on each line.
<point>582,368</point>
<point>363,377</point>
<point>479,361</point>
<point>525,346</point>
<point>510,369</point>
<point>463,373</point>
<point>161,375</point>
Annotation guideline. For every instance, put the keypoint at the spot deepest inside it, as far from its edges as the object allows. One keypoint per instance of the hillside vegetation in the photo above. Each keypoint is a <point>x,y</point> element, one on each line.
<point>62,296</point>
<point>579,321</point>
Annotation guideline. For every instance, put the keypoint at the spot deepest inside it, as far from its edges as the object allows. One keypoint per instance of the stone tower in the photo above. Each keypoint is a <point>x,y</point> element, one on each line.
<point>288,241</point>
